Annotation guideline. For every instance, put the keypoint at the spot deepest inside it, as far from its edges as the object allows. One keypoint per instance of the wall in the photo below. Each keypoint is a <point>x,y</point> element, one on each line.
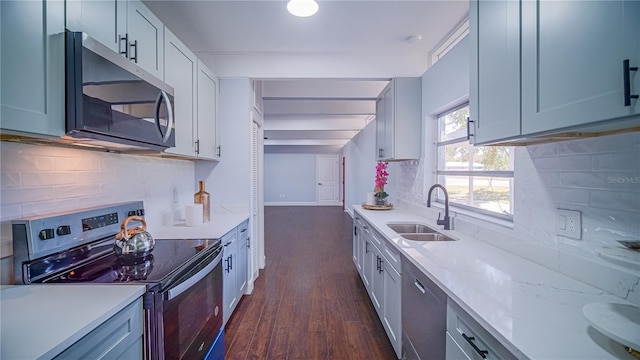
<point>290,179</point>
<point>38,180</point>
<point>230,182</point>
<point>360,172</point>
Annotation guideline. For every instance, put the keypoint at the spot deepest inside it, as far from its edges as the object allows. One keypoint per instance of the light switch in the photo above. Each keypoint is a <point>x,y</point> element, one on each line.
<point>562,222</point>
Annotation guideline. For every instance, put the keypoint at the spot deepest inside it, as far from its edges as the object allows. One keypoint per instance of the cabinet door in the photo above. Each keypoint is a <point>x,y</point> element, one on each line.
<point>32,67</point>
<point>495,69</point>
<point>369,264</point>
<point>145,38</point>
<point>229,274</point>
<point>572,61</point>
<point>392,307</point>
<point>377,280</point>
<point>103,20</point>
<point>240,264</point>
<point>180,73</point>
<point>356,245</point>
<point>207,124</point>
<point>380,126</point>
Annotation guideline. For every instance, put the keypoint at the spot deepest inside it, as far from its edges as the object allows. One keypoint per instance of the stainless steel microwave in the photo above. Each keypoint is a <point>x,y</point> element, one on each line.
<point>113,103</point>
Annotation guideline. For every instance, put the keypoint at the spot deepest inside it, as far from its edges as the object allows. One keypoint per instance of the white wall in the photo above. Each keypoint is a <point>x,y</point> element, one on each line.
<point>290,179</point>
<point>37,180</point>
<point>360,172</point>
<point>229,181</point>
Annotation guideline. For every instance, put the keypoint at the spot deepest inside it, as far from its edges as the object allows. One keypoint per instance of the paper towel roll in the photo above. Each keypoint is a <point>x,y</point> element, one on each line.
<point>371,198</point>
<point>193,215</point>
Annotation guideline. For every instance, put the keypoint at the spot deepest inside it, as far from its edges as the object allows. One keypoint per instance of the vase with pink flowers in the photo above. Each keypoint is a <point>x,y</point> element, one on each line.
<point>381,181</point>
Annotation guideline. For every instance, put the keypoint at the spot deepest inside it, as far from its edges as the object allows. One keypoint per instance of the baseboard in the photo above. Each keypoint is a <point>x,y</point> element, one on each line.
<point>290,204</point>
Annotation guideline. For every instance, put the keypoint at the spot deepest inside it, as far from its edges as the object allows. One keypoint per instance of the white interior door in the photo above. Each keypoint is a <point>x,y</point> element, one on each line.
<point>327,175</point>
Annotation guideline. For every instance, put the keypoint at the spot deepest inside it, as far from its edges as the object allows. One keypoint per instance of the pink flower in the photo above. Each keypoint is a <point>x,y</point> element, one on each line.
<point>381,179</point>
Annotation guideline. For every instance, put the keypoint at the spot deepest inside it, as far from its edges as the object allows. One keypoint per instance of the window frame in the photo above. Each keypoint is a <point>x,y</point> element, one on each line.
<point>505,174</point>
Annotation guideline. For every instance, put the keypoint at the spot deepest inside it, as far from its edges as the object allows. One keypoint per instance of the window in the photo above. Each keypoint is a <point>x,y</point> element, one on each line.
<point>479,178</point>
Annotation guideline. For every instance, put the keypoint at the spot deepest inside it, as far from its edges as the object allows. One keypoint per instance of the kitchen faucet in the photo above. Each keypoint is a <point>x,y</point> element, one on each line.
<point>446,221</point>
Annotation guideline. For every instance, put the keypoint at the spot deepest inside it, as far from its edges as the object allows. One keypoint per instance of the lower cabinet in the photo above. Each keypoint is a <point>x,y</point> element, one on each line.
<point>120,337</point>
<point>234,268</point>
<point>381,279</point>
<point>466,339</point>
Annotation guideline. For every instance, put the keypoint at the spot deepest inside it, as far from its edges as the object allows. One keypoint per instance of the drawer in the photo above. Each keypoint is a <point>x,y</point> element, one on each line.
<point>393,257</point>
<point>473,338</point>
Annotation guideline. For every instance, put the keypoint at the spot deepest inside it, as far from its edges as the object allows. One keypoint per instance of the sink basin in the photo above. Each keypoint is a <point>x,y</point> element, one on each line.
<point>411,229</point>
<point>427,237</point>
<point>620,322</point>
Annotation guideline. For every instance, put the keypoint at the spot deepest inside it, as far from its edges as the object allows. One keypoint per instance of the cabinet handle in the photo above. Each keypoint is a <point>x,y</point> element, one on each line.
<point>377,263</point>
<point>355,231</point>
<point>419,286</point>
<point>248,243</point>
<point>227,264</point>
<point>198,146</point>
<point>126,45</point>
<point>366,247</point>
<point>469,134</point>
<point>134,58</point>
<point>470,339</point>
<point>219,150</point>
<point>231,262</point>
<point>627,82</point>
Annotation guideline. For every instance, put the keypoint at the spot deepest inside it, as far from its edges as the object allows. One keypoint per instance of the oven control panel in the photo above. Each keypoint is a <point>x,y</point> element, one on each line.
<point>43,235</point>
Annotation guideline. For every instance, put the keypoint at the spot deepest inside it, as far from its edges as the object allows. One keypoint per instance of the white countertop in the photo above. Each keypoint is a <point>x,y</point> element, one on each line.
<point>40,321</point>
<point>535,312</point>
<point>223,219</point>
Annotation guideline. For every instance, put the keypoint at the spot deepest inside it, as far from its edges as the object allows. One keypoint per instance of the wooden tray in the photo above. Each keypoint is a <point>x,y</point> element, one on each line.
<point>377,207</point>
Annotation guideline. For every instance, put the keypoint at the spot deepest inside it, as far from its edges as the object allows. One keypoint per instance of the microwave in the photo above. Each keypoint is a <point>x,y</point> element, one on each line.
<point>113,103</point>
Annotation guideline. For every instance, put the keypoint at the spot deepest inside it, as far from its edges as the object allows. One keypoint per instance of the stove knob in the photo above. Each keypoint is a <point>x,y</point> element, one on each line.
<point>46,234</point>
<point>131,213</point>
<point>63,230</point>
<point>140,212</point>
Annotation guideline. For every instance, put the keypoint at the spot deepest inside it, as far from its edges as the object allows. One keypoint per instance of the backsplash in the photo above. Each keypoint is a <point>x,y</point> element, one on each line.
<point>599,177</point>
<point>38,180</point>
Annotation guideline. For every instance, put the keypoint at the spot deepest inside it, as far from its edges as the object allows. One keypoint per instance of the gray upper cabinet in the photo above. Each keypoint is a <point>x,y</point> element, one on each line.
<point>494,95</point>
<point>552,69</point>
<point>572,62</point>
<point>32,43</point>
<point>207,114</point>
<point>399,120</point>
<point>126,26</point>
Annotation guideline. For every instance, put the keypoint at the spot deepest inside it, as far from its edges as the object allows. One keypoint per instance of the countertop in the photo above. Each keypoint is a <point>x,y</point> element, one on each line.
<point>40,321</point>
<point>223,219</point>
<point>535,312</point>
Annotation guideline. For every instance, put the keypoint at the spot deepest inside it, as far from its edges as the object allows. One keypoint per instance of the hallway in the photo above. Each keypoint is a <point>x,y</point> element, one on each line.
<point>309,301</point>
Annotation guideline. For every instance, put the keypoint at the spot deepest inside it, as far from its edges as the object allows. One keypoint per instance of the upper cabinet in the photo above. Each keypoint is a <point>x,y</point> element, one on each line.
<point>572,62</point>
<point>126,26</point>
<point>195,99</point>
<point>553,69</point>
<point>399,120</point>
<point>494,84</point>
<point>181,74</point>
<point>32,67</point>
<point>207,144</point>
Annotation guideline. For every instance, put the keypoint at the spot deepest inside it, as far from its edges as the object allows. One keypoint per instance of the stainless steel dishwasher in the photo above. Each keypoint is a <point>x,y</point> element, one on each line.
<point>424,315</point>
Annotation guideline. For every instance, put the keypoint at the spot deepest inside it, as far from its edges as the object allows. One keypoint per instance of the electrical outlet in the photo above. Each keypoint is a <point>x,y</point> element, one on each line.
<point>569,224</point>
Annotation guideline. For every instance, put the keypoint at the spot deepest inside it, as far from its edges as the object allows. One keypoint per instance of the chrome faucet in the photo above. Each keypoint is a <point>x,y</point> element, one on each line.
<point>446,221</point>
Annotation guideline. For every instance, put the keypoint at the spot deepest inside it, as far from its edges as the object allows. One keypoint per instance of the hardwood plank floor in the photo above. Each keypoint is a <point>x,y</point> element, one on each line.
<point>309,301</point>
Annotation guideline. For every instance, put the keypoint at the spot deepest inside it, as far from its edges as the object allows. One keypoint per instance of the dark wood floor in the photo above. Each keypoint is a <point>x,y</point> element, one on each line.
<point>308,302</point>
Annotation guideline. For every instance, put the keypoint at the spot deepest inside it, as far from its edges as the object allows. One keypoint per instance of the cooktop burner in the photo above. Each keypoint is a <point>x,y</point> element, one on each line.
<point>167,256</point>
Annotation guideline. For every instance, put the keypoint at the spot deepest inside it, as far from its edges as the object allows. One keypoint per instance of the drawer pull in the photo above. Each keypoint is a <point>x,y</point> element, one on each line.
<point>475,347</point>
<point>419,286</point>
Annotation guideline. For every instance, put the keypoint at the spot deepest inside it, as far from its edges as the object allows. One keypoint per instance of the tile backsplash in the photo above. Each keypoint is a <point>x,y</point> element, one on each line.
<point>37,180</point>
<point>600,177</point>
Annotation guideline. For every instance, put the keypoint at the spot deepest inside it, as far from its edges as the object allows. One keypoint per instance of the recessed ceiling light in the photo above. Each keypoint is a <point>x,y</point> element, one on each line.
<point>302,8</point>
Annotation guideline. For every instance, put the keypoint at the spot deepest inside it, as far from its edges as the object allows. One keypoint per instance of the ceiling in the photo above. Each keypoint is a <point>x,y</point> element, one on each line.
<point>320,74</point>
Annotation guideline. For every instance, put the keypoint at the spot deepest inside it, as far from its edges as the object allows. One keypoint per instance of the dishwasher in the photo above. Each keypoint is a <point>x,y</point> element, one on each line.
<point>424,315</point>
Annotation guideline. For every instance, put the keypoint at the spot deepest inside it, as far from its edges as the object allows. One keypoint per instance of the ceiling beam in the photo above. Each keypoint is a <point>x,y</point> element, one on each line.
<point>322,89</point>
<point>312,107</point>
<point>315,124</point>
<point>305,142</point>
<point>316,134</point>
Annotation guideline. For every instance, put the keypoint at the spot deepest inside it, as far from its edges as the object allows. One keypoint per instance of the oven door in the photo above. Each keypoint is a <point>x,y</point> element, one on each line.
<point>192,310</point>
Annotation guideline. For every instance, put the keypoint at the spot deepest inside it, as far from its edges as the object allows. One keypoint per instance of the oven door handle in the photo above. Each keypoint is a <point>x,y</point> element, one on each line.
<point>185,285</point>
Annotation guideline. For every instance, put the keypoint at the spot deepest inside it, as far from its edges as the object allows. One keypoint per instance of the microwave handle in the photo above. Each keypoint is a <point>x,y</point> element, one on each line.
<point>185,285</point>
<point>163,96</point>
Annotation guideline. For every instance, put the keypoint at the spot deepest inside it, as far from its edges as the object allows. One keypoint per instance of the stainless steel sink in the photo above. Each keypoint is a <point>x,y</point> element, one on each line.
<point>427,237</point>
<point>411,228</point>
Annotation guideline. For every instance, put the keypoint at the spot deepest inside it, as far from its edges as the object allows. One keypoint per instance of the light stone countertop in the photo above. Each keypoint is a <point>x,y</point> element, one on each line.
<point>40,321</point>
<point>224,218</point>
<point>534,311</point>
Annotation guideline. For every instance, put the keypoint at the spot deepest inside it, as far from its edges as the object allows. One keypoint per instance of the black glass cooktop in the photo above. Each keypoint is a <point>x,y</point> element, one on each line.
<point>168,256</point>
